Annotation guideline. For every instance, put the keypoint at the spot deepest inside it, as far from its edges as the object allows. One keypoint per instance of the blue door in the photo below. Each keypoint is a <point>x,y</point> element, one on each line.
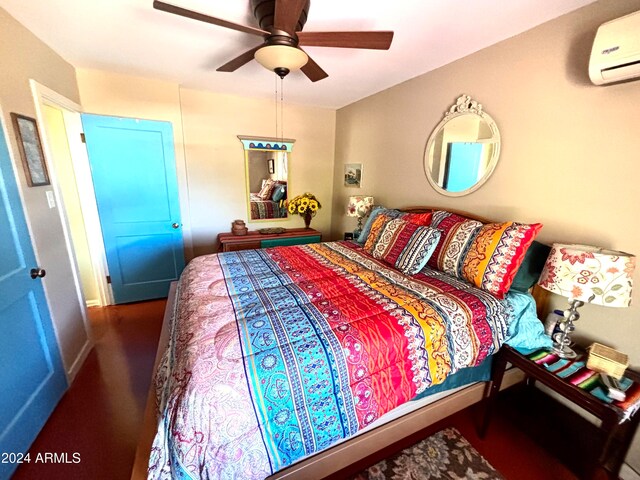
<point>134,176</point>
<point>463,165</point>
<point>32,378</point>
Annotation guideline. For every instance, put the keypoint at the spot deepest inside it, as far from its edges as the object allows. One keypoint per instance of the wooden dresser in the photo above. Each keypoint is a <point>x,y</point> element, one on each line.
<point>253,239</point>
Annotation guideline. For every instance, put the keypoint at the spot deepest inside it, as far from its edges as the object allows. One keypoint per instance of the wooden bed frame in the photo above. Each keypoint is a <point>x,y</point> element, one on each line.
<point>350,451</point>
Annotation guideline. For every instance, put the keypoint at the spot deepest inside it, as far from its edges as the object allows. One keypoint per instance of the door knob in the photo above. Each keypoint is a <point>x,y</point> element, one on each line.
<point>37,272</point>
<point>175,225</point>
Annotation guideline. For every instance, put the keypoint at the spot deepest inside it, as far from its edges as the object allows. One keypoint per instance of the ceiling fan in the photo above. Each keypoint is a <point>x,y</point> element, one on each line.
<point>281,23</point>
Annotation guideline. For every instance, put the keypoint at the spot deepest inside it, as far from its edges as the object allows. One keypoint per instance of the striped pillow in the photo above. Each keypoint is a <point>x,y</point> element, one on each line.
<point>267,189</point>
<point>405,245</point>
<point>496,253</point>
<point>383,216</point>
<point>486,255</point>
<point>458,233</point>
<point>376,229</point>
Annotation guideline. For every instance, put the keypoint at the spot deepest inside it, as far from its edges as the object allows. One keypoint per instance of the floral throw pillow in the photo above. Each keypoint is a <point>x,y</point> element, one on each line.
<point>406,245</point>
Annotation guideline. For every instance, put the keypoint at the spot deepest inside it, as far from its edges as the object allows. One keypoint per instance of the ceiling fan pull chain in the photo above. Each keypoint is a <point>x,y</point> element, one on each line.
<point>276,102</point>
<point>281,109</point>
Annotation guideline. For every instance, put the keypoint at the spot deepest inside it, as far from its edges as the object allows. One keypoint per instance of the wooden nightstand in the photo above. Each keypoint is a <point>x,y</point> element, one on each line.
<point>292,236</point>
<point>617,436</point>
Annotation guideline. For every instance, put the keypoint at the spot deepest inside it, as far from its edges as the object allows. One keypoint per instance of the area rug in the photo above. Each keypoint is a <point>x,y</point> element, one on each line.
<point>445,455</point>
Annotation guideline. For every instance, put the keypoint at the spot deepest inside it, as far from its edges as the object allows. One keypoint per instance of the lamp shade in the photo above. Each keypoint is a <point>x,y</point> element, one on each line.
<point>589,274</point>
<point>359,206</point>
<point>281,56</point>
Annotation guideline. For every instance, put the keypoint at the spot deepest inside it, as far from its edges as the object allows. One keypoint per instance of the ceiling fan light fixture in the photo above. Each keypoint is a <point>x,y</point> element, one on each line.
<point>281,58</point>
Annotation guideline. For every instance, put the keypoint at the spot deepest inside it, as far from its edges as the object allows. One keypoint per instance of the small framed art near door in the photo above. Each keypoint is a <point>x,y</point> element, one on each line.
<point>31,153</point>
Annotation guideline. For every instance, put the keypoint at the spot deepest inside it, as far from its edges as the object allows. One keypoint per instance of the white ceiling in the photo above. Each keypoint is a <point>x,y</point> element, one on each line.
<point>129,36</point>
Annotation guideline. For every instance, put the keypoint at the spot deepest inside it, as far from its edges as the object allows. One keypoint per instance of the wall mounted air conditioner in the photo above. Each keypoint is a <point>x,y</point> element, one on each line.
<point>615,55</point>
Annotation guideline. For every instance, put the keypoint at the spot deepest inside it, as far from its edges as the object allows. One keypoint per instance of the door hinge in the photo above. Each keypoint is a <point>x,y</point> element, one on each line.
<point>83,139</point>
<point>108,278</point>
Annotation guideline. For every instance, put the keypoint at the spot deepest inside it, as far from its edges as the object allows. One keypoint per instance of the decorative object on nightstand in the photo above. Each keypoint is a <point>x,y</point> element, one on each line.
<point>585,274</point>
<point>239,228</point>
<point>305,205</point>
<point>607,360</point>
<point>359,206</point>
<point>572,380</point>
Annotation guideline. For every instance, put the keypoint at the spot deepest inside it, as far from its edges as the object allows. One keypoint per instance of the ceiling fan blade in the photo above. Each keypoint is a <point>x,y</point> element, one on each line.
<point>313,71</point>
<point>183,12</point>
<point>240,60</point>
<point>372,40</point>
<point>287,13</point>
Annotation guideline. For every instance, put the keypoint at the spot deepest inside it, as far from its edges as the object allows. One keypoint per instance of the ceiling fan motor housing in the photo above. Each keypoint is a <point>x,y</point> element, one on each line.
<point>280,50</point>
<point>264,11</point>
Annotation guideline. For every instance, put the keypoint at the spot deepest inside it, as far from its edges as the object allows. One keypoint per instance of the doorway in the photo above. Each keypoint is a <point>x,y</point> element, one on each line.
<point>73,187</point>
<point>119,200</point>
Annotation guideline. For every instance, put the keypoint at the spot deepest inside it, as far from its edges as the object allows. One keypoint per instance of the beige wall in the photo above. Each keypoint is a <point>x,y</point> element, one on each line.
<point>24,57</point>
<point>210,156</point>
<point>569,154</point>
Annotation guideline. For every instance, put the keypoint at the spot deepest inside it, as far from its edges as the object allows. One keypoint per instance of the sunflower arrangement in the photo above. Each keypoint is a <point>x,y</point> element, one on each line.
<point>303,205</point>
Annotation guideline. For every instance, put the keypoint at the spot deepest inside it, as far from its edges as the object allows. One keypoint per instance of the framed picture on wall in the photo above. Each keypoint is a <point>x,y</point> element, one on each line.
<point>272,168</point>
<point>353,175</point>
<point>30,147</point>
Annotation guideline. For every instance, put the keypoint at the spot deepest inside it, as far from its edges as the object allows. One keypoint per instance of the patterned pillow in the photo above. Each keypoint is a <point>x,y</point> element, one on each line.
<point>406,245</point>
<point>496,253</point>
<point>422,219</point>
<point>379,210</point>
<point>486,255</point>
<point>279,192</point>
<point>376,229</point>
<point>458,233</point>
<point>267,189</point>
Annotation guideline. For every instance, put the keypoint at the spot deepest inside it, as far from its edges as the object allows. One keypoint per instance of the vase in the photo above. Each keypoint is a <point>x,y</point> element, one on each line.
<point>307,220</point>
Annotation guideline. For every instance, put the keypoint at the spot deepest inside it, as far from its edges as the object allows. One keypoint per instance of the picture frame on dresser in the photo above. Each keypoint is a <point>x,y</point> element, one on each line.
<point>30,148</point>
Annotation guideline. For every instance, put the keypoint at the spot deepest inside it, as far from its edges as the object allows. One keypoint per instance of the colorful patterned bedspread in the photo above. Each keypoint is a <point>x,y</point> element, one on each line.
<point>278,353</point>
<point>261,209</point>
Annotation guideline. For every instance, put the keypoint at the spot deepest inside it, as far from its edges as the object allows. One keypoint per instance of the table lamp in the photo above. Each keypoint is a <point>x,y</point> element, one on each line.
<point>359,206</point>
<point>585,274</point>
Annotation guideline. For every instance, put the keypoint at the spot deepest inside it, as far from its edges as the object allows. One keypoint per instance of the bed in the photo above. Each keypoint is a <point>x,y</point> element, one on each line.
<point>285,362</point>
<point>263,209</point>
<point>270,201</point>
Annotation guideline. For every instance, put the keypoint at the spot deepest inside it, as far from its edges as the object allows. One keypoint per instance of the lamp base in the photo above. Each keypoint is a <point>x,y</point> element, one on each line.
<point>563,351</point>
<point>562,340</point>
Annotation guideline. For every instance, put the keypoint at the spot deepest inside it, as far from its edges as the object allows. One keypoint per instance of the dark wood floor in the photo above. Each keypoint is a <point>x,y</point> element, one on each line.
<point>101,415</point>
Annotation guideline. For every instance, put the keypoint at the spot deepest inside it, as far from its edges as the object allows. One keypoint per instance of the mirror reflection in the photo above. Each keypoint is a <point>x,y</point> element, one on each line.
<point>463,150</point>
<point>267,177</point>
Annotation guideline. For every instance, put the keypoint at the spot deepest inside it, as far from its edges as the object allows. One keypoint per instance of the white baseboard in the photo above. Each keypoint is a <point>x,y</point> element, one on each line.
<point>628,473</point>
<point>79,361</point>
<point>93,303</point>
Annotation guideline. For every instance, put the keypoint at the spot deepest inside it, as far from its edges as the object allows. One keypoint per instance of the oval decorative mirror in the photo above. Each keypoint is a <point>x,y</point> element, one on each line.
<point>463,149</point>
<point>266,176</point>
